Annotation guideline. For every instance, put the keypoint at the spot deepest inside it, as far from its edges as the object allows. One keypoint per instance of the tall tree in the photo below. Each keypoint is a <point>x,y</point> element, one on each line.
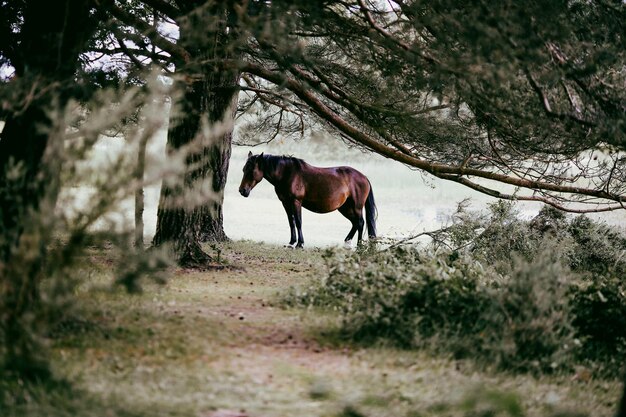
<point>217,102</point>
<point>202,121</point>
<point>42,41</point>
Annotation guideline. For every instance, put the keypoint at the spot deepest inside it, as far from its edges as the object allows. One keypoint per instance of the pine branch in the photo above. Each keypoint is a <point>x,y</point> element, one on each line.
<point>455,173</point>
<point>147,30</point>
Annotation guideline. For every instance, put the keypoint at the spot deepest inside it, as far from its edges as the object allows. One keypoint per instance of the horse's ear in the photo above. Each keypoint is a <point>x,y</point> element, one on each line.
<point>261,154</point>
<point>249,154</point>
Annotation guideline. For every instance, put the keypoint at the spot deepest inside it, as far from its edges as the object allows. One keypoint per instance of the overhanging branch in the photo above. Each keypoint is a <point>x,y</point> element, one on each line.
<point>455,173</point>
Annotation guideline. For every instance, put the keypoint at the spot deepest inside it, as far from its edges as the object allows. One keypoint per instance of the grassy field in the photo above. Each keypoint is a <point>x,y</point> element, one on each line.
<point>219,344</point>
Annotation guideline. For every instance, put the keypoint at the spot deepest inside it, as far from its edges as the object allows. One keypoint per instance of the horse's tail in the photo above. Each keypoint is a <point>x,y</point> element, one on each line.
<point>370,214</point>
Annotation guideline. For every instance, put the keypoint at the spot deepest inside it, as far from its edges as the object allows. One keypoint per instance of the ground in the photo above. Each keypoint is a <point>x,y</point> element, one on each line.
<point>220,344</point>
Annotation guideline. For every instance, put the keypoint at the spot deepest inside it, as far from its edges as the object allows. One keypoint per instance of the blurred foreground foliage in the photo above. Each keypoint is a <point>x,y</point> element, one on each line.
<point>44,251</point>
<point>539,296</point>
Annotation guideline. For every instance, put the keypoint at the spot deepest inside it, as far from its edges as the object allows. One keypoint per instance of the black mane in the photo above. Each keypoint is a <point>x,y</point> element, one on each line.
<point>271,162</point>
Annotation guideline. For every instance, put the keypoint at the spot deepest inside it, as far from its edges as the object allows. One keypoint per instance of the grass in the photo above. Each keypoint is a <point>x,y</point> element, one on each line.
<point>213,341</point>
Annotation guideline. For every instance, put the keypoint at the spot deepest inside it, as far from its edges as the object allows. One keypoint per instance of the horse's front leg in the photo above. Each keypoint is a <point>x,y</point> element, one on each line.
<point>297,215</point>
<point>289,209</point>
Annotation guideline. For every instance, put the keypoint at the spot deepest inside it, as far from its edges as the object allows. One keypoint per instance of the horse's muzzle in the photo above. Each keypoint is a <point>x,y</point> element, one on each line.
<point>244,192</point>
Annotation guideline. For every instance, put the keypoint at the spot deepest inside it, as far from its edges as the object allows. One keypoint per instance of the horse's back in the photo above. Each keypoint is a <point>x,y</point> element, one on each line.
<point>327,189</point>
<point>333,176</point>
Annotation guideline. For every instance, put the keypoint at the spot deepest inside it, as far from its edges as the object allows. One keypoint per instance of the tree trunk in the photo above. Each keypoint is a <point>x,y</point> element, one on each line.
<point>209,98</point>
<point>223,102</point>
<point>178,223</point>
<point>51,38</point>
<point>21,144</point>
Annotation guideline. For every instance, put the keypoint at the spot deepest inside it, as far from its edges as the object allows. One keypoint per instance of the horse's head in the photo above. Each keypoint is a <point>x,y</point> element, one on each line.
<point>252,173</point>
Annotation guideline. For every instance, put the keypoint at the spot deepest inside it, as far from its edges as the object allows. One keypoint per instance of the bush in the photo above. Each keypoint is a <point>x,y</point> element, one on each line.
<point>599,306</point>
<point>585,246</point>
<point>379,294</point>
<point>524,295</point>
<point>529,317</point>
<point>452,304</point>
<point>597,248</point>
<point>504,233</point>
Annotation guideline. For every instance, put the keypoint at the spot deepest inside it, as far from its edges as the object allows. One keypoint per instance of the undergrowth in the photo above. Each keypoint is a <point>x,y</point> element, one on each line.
<point>540,296</point>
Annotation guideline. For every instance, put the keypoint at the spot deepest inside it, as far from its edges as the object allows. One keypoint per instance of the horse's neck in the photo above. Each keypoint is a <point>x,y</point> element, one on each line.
<point>278,173</point>
<point>274,175</point>
<point>271,177</point>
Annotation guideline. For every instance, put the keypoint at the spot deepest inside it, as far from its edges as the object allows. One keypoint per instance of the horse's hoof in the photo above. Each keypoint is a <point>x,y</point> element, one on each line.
<point>290,245</point>
<point>300,246</point>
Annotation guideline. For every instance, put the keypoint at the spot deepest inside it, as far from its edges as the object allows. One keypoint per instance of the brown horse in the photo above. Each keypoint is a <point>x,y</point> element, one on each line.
<point>321,190</point>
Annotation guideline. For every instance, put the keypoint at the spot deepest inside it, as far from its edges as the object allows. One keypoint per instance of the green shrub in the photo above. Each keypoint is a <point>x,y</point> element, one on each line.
<point>386,293</point>
<point>597,247</point>
<point>599,306</point>
<point>529,317</point>
<point>504,233</point>
<point>452,304</point>
<point>584,245</point>
<point>523,295</point>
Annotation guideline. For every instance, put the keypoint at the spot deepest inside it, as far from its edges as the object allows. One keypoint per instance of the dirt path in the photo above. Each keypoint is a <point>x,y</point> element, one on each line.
<point>273,347</point>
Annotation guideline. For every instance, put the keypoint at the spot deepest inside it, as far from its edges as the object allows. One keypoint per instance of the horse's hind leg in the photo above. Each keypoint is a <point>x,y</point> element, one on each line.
<point>356,218</point>
<point>355,227</point>
<point>361,226</point>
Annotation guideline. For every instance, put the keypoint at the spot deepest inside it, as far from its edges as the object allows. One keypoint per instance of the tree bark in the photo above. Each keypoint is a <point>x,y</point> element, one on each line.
<point>223,102</point>
<point>178,224</point>
<point>21,144</point>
